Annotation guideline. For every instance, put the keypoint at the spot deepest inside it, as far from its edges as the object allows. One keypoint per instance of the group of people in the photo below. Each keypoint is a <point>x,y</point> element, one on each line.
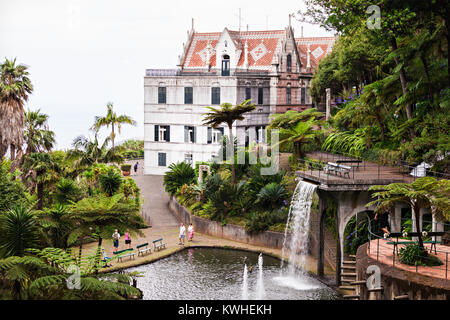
<point>116,237</point>
<point>190,231</point>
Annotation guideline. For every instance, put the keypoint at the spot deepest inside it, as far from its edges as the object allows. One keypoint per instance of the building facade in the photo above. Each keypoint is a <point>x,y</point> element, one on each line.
<point>272,68</point>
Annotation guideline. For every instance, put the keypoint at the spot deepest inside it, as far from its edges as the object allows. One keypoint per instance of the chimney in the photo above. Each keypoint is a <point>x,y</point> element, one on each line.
<point>208,55</point>
<point>246,55</point>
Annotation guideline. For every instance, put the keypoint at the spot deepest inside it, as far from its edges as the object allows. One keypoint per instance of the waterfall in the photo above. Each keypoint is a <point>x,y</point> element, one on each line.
<point>245,284</point>
<point>298,224</point>
<point>260,292</point>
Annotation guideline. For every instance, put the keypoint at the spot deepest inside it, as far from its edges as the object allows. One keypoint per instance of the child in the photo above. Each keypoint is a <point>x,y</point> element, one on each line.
<point>127,240</point>
<point>190,232</point>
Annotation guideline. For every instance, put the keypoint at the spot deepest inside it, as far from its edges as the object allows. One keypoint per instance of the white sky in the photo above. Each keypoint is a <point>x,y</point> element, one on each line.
<point>83,54</point>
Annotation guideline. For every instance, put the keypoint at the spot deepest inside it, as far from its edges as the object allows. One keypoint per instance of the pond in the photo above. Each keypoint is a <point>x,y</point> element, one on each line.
<point>218,274</point>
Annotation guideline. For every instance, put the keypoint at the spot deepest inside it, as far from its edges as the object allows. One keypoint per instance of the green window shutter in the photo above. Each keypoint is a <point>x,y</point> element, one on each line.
<point>156,132</point>
<point>186,134</point>
<point>195,135</point>
<point>168,133</point>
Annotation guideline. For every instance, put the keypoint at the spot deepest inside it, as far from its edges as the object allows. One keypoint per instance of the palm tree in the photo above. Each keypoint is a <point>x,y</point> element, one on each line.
<point>57,223</point>
<point>291,117</point>
<point>272,195</point>
<point>112,119</point>
<point>41,168</point>
<point>228,114</point>
<point>425,192</point>
<point>87,152</point>
<point>37,135</point>
<point>18,231</point>
<point>15,86</point>
<point>110,182</point>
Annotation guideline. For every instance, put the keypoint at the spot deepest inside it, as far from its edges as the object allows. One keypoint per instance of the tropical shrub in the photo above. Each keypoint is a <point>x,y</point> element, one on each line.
<point>414,255</point>
<point>179,174</point>
<point>110,182</point>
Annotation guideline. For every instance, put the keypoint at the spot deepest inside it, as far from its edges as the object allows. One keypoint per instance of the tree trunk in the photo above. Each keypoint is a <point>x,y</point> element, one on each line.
<point>80,251</point>
<point>99,251</point>
<point>427,74</point>
<point>403,83</point>
<point>112,136</point>
<point>40,195</point>
<point>231,150</point>
<point>416,211</point>
<point>12,150</point>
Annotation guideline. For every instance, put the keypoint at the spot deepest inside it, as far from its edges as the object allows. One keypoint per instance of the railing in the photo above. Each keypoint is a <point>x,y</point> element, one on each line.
<point>161,72</point>
<point>402,168</point>
<point>379,238</point>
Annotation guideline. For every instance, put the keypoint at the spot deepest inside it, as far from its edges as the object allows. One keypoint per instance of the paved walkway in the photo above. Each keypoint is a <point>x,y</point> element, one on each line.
<point>383,252</point>
<point>165,225</point>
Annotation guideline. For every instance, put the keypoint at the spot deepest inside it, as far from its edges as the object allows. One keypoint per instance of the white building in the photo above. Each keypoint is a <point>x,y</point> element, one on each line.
<point>227,66</point>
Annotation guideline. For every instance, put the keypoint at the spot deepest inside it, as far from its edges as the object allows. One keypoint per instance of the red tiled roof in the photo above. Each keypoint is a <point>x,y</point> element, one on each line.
<point>319,47</point>
<point>262,48</point>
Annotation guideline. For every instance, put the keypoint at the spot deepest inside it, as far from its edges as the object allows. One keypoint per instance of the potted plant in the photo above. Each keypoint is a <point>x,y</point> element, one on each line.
<point>126,168</point>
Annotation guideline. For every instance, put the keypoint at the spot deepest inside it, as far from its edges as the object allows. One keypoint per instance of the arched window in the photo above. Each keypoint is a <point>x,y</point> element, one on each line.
<point>289,63</point>
<point>226,65</point>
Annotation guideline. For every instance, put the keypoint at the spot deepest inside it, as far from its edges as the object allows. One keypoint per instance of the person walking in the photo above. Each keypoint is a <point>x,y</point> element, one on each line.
<point>135,167</point>
<point>116,237</point>
<point>127,240</point>
<point>190,232</point>
<point>182,234</point>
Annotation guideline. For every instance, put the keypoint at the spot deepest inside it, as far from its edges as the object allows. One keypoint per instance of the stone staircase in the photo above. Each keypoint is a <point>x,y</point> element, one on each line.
<point>349,279</point>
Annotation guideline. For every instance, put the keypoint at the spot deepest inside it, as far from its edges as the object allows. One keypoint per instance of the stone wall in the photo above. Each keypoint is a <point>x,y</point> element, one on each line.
<point>396,282</point>
<point>232,232</point>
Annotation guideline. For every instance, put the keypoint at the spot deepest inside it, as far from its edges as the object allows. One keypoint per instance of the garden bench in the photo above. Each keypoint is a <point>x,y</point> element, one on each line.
<point>158,244</point>
<point>122,254</point>
<point>338,168</point>
<point>350,161</point>
<point>142,248</point>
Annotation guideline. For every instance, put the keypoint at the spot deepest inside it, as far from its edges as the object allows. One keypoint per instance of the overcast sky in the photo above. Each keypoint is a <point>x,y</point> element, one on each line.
<point>83,54</point>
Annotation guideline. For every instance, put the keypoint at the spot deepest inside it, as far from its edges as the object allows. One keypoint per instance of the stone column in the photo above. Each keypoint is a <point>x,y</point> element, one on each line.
<point>437,227</point>
<point>323,205</point>
<point>328,104</point>
<point>395,220</point>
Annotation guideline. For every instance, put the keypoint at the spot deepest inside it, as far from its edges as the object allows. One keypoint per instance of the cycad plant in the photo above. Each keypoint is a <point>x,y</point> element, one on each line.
<point>272,195</point>
<point>19,230</point>
<point>179,174</point>
<point>110,182</point>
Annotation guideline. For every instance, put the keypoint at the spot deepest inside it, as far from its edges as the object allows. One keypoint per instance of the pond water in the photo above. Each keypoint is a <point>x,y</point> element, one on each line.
<point>218,274</point>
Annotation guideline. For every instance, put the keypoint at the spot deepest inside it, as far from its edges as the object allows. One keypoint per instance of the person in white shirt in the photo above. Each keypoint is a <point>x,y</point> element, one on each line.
<point>116,237</point>
<point>182,233</point>
<point>190,232</point>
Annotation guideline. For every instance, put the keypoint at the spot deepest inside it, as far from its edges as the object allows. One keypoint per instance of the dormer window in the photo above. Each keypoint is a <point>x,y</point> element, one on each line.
<point>225,43</point>
<point>226,65</point>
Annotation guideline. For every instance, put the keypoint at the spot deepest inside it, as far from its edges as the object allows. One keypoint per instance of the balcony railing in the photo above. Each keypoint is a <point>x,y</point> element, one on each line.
<point>161,72</point>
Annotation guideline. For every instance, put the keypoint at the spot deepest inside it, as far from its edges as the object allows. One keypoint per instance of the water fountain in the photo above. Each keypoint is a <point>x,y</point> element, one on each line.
<point>245,284</point>
<point>297,246</point>
<point>260,291</point>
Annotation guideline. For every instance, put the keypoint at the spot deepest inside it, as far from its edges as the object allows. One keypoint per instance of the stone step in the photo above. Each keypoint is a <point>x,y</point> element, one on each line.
<point>358,283</point>
<point>348,267</point>
<point>348,280</point>
<point>351,274</point>
<point>404,297</point>
<point>352,256</point>
<point>347,288</point>
<point>349,262</point>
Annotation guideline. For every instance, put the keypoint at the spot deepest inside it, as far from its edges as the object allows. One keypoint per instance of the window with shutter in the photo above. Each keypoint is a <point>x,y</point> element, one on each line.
<point>188,95</point>
<point>248,93</point>
<point>161,159</point>
<point>162,95</point>
<point>260,96</point>
<point>215,95</point>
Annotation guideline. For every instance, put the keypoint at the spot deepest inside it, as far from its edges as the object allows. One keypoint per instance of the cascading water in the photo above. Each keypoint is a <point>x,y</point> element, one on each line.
<point>260,291</point>
<point>297,246</point>
<point>245,284</point>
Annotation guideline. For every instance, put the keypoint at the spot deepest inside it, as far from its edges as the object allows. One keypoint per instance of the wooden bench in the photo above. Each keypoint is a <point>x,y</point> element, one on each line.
<point>123,254</point>
<point>158,244</point>
<point>337,168</point>
<point>350,161</point>
<point>143,248</point>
